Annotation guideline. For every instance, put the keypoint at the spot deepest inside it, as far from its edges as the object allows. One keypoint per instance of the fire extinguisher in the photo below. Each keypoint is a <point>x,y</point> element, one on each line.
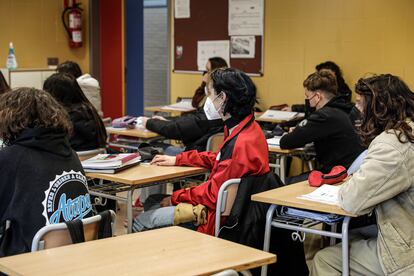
<point>72,21</point>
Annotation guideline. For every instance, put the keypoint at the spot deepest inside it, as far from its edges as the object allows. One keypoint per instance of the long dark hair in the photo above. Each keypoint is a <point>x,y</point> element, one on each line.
<point>387,104</point>
<point>66,90</point>
<point>27,108</point>
<point>4,87</point>
<point>343,88</point>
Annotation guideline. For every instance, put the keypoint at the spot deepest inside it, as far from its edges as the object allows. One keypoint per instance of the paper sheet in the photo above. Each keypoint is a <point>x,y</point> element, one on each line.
<point>243,46</point>
<point>246,17</point>
<point>182,9</point>
<point>212,48</point>
<point>327,194</point>
<point>280,115</point>
<point>182,105</point>
<point>274,141</point>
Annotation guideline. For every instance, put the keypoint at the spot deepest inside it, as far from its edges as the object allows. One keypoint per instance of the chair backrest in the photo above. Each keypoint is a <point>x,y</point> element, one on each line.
<point>55,235</point>
<point>83,155</point>
<point>225,200</point>
<point>214,142</point>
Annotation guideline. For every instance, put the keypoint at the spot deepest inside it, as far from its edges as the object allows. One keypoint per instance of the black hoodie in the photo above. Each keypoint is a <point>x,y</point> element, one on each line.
<point>41,182</point>
<point>330,129</point>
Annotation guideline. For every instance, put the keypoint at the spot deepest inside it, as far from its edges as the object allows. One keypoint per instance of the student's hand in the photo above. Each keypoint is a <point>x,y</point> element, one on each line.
<point>159,118</point>
<point>291,129</point>
<point>287,108</point>
<point>163,160</point>
<point>166,201</point>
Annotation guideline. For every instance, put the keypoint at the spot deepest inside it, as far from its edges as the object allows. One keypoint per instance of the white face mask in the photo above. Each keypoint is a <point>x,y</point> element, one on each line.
<point>210,110</point>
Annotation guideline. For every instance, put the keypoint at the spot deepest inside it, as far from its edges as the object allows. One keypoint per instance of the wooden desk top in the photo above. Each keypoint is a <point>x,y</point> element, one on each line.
<point>284,151</point>
<point>167,251</point>
<point>136,132</point>
<point>162,108</point>
<point>287,196</point>
<point>145,174</point>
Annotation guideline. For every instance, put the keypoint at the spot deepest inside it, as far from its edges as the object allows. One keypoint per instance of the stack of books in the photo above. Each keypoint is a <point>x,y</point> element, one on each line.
<point>111,163</point>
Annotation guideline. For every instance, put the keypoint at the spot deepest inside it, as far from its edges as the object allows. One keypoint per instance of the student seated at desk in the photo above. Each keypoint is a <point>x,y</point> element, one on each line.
<point>329,127</point>
<point>383,184</point>
<point>344,93</point>
<point>88,129</point>
<point>231,94</point>
<point>41,179</point>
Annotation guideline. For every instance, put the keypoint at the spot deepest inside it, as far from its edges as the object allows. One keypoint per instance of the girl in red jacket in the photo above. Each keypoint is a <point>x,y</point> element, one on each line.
<point>231,97</point>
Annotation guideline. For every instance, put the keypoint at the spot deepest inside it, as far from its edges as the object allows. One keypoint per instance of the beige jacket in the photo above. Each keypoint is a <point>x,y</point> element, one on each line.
<point>385,183</point>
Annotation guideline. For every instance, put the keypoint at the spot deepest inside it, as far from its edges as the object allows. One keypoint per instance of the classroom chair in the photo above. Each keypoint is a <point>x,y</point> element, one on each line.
<point>225,201</point>
<point>55,235</point>
<point>214,142</point>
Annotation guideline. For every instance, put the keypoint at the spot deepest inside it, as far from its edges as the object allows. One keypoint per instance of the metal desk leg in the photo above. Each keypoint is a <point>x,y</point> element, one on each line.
<point>332,241</point>
<point>282,168</point>
<point>268,228</point>
<point>345,247</point>
<point>129,210</point>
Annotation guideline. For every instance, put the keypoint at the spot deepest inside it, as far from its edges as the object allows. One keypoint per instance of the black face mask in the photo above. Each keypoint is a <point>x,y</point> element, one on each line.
<point>308,108</point>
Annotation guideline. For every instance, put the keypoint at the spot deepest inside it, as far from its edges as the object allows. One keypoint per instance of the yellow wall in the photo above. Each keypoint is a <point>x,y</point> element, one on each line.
<point>362,36</point>
<point>36,30</point>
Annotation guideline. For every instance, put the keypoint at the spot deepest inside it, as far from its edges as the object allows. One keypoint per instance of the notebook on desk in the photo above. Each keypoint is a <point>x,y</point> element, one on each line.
<point>281,115</point>
<point>274,142</point>
<point>327,194</point>
<point>184,104</point>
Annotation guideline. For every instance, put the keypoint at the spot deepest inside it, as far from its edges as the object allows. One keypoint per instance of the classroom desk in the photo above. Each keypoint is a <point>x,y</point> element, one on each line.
<point>287,196</point>
<point>137,177</point>
<point>167,251</point>
<point>136,136</point>
<point>272,120</point>
<point>136,132</point>
<point>281,155</point>
<point>172,111</point>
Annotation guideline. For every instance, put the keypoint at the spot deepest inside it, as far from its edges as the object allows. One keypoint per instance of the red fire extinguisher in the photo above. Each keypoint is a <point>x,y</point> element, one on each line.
<point>72,21</point>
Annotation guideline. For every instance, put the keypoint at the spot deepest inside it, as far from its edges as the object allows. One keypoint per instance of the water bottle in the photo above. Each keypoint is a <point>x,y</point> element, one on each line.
<point>11,63</point>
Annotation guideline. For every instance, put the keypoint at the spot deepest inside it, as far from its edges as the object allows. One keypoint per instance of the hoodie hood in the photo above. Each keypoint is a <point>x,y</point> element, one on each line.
<point>45,139</point>
<point>342,103</point>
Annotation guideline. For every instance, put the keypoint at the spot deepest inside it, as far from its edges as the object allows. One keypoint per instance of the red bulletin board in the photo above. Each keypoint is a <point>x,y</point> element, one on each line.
<point>209,21</point>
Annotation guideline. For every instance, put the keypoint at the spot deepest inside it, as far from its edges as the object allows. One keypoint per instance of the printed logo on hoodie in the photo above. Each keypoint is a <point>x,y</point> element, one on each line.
<point>67,198</point>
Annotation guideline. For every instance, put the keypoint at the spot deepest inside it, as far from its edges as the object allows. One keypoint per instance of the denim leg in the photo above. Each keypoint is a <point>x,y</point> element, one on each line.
<point>157,218</point>
<point>173,151</point>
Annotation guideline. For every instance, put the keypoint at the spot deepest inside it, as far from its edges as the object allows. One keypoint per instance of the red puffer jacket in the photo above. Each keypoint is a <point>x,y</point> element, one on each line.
<point>243,152</point>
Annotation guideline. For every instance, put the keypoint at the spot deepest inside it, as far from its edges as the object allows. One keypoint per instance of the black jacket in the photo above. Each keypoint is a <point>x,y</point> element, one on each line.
<point>85,132</point>
<point>330,129</point>
<point>246,225</point>
<point>41,182</point>
<point>193,129</point>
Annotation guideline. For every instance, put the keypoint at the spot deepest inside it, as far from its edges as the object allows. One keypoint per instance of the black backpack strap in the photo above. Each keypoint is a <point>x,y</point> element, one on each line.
<point>75,228</point>
<point>105,229</point>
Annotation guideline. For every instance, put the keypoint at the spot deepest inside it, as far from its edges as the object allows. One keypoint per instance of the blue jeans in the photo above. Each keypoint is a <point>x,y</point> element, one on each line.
<point>155,218</point>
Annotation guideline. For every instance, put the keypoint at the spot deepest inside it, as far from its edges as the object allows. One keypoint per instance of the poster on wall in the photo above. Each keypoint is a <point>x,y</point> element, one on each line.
<point>182,9</point>
<point>245,17</point>
<point>212,48</point>
<point>242,47</point>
